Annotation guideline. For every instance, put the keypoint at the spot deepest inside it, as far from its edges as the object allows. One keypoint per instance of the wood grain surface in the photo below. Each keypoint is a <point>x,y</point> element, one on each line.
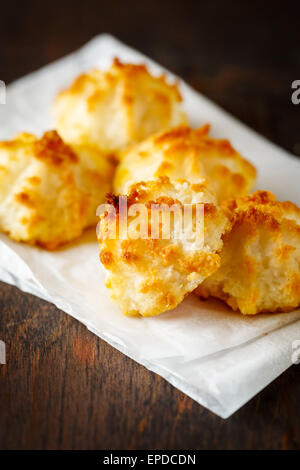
<point>62,387</point>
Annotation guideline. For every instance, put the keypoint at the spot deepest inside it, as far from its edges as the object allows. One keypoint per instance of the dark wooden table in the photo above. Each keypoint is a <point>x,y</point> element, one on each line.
<point>62,387</point>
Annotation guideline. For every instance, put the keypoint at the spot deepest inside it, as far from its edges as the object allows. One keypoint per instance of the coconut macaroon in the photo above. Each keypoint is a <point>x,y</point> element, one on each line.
<point>49,191</point>
<point>187,153</point>
<point>260,260</point>
<point>153,260</point>
<point>118,107</point>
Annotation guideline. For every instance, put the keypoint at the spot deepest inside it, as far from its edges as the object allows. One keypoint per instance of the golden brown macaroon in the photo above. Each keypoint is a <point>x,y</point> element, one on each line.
<point>260,260</point>
<point>49,191</point>
<point>187,153</point>
<point>150,275</point>
<point>114,108</point>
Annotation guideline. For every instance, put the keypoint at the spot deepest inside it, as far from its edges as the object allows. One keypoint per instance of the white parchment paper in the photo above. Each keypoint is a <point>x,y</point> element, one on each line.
<point>219,358</point>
